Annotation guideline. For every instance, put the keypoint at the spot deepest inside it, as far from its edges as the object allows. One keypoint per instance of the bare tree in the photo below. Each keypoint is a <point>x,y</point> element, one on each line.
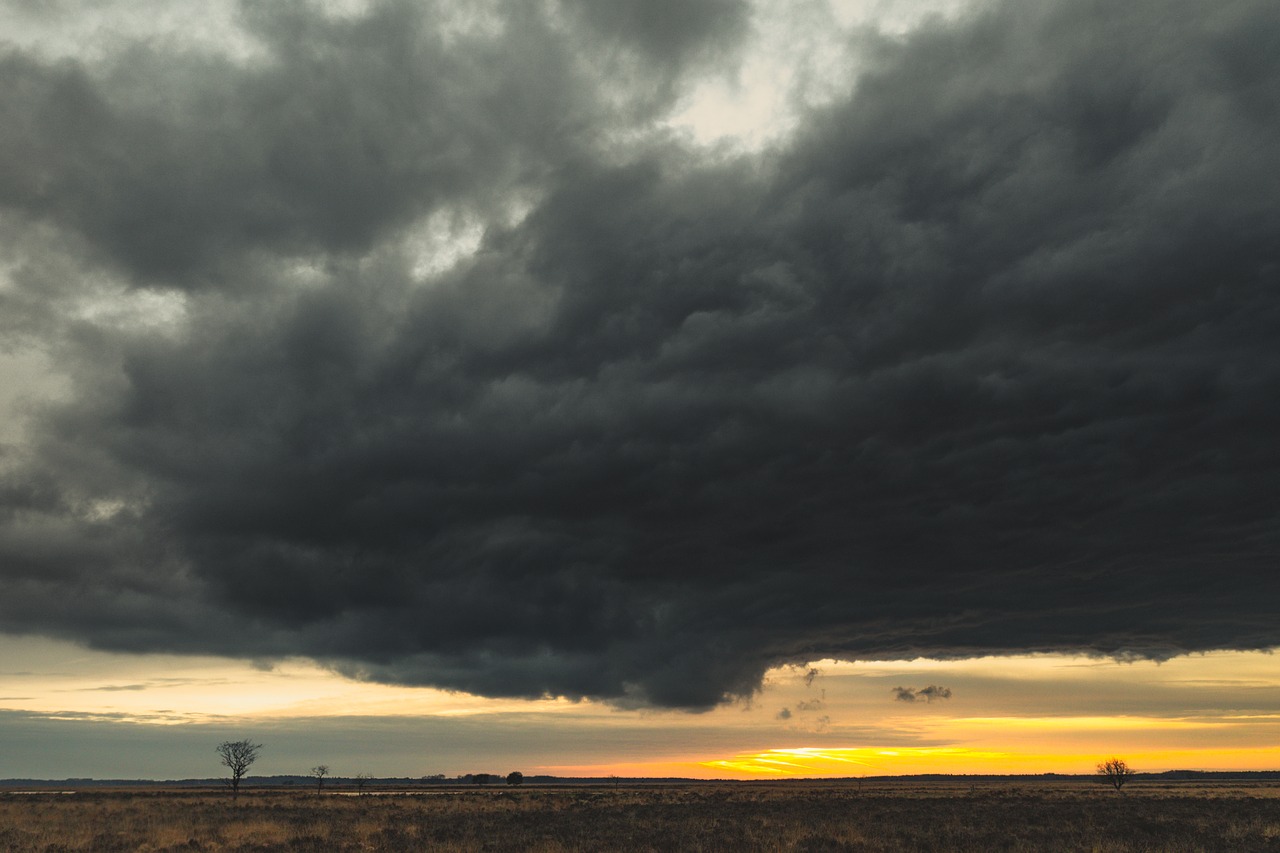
<point>362,779</point>
<point>1115,772</point>
<point>320,771</point>
<point>236,756</point>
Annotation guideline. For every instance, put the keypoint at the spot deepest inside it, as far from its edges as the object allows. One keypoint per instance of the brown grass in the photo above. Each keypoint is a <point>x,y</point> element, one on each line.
<point>715,817</point>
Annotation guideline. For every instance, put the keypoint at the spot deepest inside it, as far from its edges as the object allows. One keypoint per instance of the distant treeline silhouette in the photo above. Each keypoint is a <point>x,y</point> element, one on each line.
<point>301,779</point>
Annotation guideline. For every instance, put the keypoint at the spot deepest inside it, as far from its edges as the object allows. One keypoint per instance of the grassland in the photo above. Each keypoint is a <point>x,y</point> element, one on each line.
<point>714,817</point>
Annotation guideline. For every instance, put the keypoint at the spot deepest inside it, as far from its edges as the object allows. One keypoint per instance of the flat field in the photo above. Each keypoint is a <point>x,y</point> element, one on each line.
<point>797,816</point>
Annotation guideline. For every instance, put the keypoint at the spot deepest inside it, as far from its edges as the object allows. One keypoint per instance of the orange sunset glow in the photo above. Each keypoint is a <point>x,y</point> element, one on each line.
<point>905,761</point>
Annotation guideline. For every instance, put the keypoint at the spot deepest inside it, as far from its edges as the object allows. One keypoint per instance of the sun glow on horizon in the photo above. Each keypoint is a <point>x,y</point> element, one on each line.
<point>811,762</point>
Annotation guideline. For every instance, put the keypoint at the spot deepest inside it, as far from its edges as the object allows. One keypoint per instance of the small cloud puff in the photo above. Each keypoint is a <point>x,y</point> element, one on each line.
<point>924,694</point>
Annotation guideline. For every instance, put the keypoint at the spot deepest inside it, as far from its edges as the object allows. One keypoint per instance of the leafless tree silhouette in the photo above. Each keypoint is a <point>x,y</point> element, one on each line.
<point>236,756</point>
<point>1116,772</point>
<point>320,771</point>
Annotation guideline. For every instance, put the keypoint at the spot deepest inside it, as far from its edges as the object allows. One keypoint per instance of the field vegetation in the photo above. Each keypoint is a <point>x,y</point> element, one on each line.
<point>887,816</point>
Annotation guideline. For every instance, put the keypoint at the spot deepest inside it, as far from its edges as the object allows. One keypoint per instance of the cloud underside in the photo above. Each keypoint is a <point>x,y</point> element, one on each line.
<point>980,359</point>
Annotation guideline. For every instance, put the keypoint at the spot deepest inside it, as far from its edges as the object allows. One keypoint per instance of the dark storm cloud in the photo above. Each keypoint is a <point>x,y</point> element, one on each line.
<point>668,32</point>
<point>173,164</point>
<point>982,360</point>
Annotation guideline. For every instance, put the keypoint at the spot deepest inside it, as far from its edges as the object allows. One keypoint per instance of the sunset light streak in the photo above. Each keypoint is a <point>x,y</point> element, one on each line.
<point>908,761</point>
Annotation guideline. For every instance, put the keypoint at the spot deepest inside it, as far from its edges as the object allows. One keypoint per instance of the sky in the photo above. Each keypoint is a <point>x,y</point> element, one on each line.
<point>711,388</point>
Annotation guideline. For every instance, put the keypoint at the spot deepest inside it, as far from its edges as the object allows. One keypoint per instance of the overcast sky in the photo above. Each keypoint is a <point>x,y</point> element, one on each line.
<point>627,351</point>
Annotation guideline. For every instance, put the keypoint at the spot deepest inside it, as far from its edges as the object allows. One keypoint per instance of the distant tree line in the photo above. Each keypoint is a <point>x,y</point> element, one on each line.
<point>238,755</point>
<point>515,777</point>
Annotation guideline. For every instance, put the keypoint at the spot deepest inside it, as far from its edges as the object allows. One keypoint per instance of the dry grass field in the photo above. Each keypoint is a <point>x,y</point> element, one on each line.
<point>732,817</point>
